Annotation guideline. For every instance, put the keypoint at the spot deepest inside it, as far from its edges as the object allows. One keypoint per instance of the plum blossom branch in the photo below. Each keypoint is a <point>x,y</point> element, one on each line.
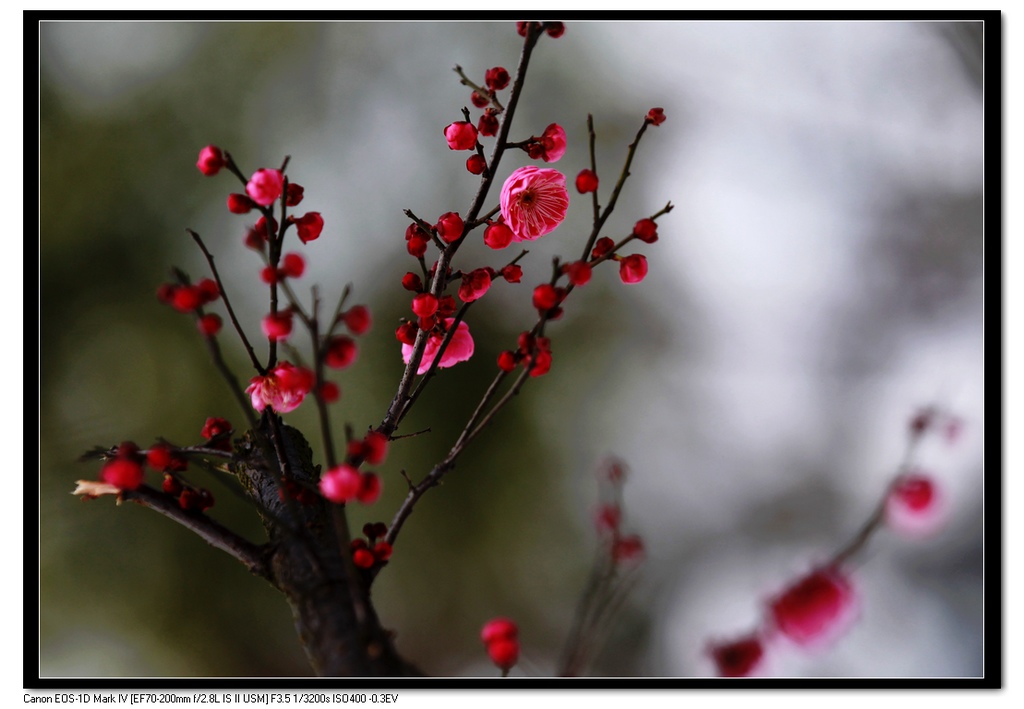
<point>489,95</point>
<point>227,303</point>
<point>599,221</point>
<point>433,478</point>
<point>399,401</point>
<point>211,531</point>
<point>822,604</point>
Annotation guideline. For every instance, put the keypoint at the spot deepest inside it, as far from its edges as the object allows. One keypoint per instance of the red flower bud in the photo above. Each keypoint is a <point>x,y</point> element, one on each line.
<point>208,290</point>
<point>406,333</point>
<point>309,226</point>
<point>210,324</point>
<point>488,124</point>
<point>474,285</point>
<point>497,78</point>
<point>545,297</point>
<point>357,319</point>
<point>504,654</point>
<point>424,305</point>
<point>507,361</point>
<point>586,181</point>
<point>633,269</point>
<point>461,135</point>
<point>646,230</point>
<point>369,488</point>
<point>375,448</point>
<point>171,485</point>
<point>293,195</point>
<point>656,116</point>
<point>382,551</point>
<point>185,299</point>
<point>363,558</point>
<point>265,186</point>
<point>815,609</point>
<point>412,282</point>
<point>341,352</point>
<point>476,164</point>
<point>554,29</point>
<point>498,236</point>
<point>739,658</point>
<point>277,326</point>
<point>239,203</point>
<point>512,273</point>
<point>449,226</point>
<point>417,246</point>
<point>603,246</point>
<point>499,629</point>
<point>579,272</point>
<point>211,160</point>
<point>293,265</point>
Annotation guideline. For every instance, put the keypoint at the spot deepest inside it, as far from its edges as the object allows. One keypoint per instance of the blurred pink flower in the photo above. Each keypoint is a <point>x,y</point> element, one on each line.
<point>816,609</point>
<point>282,389</point>
<point>915,506</point>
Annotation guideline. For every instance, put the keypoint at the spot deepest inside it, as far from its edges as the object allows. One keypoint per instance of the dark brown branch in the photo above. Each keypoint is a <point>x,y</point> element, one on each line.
<point>211,531</point>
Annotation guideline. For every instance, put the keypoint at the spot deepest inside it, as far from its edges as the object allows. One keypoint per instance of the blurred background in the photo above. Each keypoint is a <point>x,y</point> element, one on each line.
<point>819,280</point>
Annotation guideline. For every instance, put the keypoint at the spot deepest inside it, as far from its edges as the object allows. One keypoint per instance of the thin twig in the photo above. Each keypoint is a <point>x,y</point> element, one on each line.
<point>399,401</point>
<point>227,303</point>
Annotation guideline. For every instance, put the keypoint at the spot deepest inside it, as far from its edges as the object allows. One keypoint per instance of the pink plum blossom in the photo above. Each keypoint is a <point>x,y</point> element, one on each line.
<point>534,202</point>
<point>459,349</point>
<point>553,142</point>
<point>282,389</point>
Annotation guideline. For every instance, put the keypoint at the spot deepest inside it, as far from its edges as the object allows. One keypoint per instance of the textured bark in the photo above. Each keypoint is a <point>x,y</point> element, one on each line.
<point>335,620</point>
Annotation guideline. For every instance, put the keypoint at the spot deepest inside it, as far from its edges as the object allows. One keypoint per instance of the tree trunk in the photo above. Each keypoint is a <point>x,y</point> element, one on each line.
<point>337,625</point>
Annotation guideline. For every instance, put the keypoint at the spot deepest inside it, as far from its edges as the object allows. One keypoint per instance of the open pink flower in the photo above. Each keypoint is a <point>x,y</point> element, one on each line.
<point>282,389</point>
<point>534,202</point>
<point>459,349</point>
<point>815,609</point>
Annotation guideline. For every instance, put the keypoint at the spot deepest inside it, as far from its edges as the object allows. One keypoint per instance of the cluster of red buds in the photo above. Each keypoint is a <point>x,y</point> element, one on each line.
<point>125,467</point>
<point>500,637</point>
<point>370,553</point>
